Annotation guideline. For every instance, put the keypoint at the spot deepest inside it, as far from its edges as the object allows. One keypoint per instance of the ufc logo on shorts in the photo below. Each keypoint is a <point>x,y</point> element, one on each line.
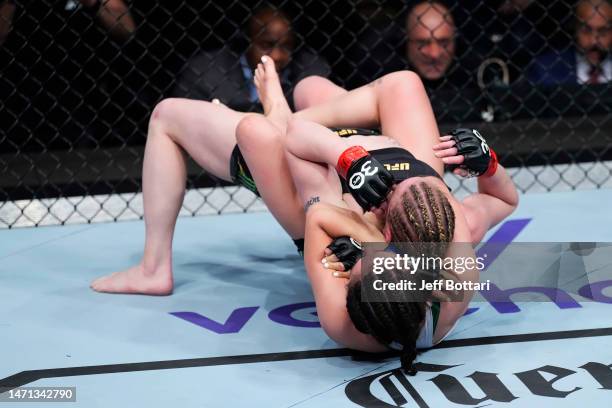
<point>357,179</point>
<point>483,143</point>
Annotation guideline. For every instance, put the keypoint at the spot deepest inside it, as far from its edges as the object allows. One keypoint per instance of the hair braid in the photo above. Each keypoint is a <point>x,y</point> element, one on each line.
<point>437,214</point>
<point>399,318</point>
<point>424,215</point>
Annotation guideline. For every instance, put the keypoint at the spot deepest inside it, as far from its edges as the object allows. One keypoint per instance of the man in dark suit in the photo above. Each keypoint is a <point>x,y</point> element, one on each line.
<point>228,76</point>
<point>588,61</point>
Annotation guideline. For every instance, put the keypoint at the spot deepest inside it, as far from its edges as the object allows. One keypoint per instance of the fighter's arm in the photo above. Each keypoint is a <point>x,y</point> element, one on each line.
<point>467,154</point>
<point>496,199</point>
<point>461,248</point>
<point>323,222</point>
<point>368,180</point>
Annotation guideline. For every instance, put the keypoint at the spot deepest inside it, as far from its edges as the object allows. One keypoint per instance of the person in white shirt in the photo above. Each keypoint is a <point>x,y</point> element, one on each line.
<point>588,61</point>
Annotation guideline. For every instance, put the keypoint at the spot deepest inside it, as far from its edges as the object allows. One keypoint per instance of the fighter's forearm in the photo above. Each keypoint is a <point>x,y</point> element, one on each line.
<point>500,186</point>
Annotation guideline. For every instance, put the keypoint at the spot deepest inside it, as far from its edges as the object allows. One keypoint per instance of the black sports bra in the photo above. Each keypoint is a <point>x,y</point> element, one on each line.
<point>402,164</point>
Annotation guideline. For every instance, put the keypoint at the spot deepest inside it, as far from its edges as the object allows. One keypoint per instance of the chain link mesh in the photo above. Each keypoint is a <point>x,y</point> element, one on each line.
<point>80,78</point>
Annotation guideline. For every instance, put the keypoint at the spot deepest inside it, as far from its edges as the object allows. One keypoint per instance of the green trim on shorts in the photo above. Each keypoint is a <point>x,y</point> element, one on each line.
<point>240,173</point>
<point>435,312</point>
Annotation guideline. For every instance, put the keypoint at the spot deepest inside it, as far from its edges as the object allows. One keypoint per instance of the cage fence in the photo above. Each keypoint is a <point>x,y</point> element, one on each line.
<point>79,80</point>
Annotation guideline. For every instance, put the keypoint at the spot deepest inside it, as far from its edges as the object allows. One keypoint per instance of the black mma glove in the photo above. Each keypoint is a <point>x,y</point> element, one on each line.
<point>368,180</point>
<point>347,250</point>
<point>479,158</point>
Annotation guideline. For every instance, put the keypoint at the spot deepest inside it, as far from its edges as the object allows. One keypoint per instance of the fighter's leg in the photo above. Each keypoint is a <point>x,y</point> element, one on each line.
<point>261,144</point>
<point>315,90</point>
<point>397,102</point>
<point>316,181</point>
<point>206,132</point>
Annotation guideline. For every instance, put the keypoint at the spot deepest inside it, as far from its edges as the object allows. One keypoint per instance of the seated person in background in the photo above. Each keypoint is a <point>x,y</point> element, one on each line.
<point>431,46</point>
<point>588,60</point>
<point>228,76</point>
<point>64,64</point>
<point>7,11</point>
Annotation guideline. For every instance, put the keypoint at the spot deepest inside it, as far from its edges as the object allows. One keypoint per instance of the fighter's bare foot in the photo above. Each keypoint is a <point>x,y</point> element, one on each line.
<point>135,280</point>
<point>271,93</point>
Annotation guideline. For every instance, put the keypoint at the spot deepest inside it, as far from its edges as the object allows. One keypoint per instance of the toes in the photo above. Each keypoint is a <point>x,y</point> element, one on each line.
<point>96,283</point>
<point>261,70</point>
<point>268,65</point>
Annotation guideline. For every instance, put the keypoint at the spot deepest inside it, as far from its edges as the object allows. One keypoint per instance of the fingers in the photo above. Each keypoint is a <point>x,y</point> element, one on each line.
<point>327,252</point>
<point>446,153</point>
<point>343,275</point>
<point>453,160</point>
<point>329,259</point>
<point>335,266</point>
<point>461,172</point>
<point>444,145</point>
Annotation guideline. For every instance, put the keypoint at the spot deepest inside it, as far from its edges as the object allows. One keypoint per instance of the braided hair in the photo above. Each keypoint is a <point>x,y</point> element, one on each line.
<point>424,216</point>
<point>396,319</point>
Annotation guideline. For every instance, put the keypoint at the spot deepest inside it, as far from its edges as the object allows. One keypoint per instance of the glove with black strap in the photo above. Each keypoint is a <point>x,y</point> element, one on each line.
<point>478,158</point>
<point>347,250</point>
<point>368,180</point>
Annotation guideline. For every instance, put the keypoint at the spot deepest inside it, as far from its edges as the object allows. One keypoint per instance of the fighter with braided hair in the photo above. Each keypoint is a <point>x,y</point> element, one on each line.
<point>399,178</point>
<point>409,202</point>
<point>269,147</point>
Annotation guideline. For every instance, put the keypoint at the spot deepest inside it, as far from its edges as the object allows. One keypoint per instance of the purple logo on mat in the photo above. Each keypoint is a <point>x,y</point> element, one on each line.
<point>295,314</point>
<point>284,315</point>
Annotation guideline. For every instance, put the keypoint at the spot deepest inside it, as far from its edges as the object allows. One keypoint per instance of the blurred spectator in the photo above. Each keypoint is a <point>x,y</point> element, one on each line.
<point>67,64</point>
<point>111,14</point>
<point>431,47</point>
<point>430,40</point>
<point>7,10</point>
<point>588,60</point>
<point>228,76</point>
<point>427,44</point>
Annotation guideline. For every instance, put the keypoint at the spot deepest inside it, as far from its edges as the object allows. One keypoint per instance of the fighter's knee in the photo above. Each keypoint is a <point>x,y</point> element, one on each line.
<point>163,109</point>
<point>402,80</point>
<point>307,90</point>
<point>255,129</point>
